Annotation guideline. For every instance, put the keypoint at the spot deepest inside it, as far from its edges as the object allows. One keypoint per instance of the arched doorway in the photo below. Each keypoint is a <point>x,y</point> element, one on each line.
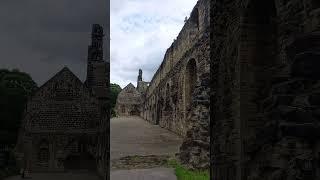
<point>81,161</point>
<point>43,154</point>
<point>190,80</point>
<point>135,111</point>
<point>258,52</point>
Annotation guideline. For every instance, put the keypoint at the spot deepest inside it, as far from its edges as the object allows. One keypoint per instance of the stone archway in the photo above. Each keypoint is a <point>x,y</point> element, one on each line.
<point>190,80</point>
<point>135,111</point>
<point>77,155</point>
<point>81,161</point>
<point>258,56</point>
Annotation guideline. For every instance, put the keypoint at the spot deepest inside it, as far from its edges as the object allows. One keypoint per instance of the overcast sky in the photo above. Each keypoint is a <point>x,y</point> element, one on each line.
<point>40,37</point>
<point>141,32</point>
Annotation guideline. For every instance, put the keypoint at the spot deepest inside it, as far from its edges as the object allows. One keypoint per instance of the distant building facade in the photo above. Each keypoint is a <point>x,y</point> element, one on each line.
<point>130,99</point>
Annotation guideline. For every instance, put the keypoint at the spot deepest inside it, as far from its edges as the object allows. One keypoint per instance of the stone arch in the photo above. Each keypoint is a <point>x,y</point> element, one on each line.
<point>190,80</point>
<point>258,54</point>
<point>82,161</point>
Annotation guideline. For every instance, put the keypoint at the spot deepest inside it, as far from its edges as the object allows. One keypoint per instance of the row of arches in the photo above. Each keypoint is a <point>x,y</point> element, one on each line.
<point>163,102</point>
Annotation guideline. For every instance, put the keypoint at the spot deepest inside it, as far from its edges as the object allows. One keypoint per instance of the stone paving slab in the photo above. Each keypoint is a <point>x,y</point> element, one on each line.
<point>144,174</point>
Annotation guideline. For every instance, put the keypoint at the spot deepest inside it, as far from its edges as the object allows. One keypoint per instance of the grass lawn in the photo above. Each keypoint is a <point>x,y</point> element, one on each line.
<point>183,173</point>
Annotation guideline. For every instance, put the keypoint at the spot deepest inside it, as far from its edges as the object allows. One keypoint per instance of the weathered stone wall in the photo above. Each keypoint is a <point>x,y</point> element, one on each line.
<point>178,95</point>
<point>263,121</point>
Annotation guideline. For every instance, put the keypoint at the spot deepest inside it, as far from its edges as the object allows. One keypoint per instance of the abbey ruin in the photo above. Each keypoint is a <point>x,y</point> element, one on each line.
<point>254,64</point>
<point>65,125</point>
<point>265,89</point>
<point>178,96</point>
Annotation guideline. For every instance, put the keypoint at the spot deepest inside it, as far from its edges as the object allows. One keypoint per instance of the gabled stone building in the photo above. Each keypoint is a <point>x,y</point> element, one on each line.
<point>65,122</point>
<point>130,100</point>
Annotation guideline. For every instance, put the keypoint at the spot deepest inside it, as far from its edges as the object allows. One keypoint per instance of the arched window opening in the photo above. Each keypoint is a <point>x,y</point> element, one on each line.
<point>189,82</point>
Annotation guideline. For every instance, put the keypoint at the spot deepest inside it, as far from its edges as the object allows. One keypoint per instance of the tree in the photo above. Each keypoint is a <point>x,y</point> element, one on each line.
<point>15,88</point>
<point>115,89</point>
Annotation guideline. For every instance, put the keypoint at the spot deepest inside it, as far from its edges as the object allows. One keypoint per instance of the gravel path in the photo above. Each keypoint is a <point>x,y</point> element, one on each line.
<point>132,136</point>
<point>135,136</point>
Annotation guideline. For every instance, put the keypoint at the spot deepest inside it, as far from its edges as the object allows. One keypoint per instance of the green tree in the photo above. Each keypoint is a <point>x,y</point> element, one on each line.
<point>15,88</point>
<point>114,91</point>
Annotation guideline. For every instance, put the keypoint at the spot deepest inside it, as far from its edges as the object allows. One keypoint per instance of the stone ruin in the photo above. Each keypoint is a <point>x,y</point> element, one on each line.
<point>66,121</point>
<point>178,96</point>
<point>129,102</point>
<point>265,89</point>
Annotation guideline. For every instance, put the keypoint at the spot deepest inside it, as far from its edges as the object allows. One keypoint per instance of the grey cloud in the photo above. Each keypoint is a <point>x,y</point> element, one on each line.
<point>41,36</point>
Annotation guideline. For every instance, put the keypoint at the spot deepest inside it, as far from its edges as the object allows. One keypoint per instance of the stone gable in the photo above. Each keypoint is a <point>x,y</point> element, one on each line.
<point>63,103</point>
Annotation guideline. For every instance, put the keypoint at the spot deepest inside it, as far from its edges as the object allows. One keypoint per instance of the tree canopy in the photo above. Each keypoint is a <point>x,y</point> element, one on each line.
<point>15,88</point>
<point>115,90</point>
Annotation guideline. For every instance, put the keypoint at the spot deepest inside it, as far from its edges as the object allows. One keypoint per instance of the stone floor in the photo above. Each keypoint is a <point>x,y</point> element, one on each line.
<point>132,136</point>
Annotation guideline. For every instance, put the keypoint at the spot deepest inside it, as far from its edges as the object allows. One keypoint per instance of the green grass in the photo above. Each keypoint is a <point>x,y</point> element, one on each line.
<point>183,173</point>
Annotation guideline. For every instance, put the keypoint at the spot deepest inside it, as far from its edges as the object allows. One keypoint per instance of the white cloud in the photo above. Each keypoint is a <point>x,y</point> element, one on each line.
<point>141,31</point>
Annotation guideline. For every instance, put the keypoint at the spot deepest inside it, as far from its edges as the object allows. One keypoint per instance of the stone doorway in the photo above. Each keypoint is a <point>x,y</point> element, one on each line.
<point>79,162</point>
<point>135,111</point>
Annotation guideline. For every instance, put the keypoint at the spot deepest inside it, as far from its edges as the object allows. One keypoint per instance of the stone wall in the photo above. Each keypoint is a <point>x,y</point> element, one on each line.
<point>178,95</point>
<point>262,80</point>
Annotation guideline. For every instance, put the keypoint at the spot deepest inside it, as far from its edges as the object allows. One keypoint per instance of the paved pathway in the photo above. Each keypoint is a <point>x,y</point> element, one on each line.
<point>134,136</point>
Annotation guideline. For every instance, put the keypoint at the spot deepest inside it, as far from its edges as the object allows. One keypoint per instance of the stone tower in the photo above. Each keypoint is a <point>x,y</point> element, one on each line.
<point>139,77</point>
<point>141,85</point>
<point>98,82</point>
<point>97,67</point>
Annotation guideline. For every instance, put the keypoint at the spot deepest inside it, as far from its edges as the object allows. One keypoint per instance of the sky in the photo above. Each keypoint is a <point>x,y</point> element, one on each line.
<point>141,32</point>
<point>41,37</point>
